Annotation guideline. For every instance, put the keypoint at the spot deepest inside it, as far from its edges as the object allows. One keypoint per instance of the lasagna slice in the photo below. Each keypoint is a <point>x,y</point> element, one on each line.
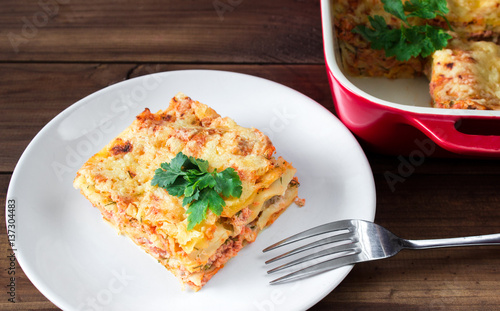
<point>466,75</point>
<point>117,180</point>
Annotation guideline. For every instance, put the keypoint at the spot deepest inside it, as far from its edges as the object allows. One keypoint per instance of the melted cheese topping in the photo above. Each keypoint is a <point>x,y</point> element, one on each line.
<point>466,75</point>
<point>481,11</point>
<point>117,180</point>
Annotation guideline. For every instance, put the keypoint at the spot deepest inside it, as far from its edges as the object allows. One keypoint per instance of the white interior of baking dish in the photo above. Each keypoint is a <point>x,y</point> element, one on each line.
<point>405,94</point>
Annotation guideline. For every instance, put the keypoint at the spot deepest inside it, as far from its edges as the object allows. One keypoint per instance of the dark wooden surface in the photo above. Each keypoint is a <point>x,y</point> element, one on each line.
<point>54,52</point>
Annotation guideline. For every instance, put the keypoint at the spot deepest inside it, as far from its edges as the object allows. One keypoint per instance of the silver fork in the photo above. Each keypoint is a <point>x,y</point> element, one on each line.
<point>357,241</point>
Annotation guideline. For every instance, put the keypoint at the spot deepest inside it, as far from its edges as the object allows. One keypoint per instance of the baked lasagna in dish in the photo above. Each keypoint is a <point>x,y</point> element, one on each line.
<point>469,19</point>
<point>474,25</point>
<point>358,59</point>
<point>118,181</point>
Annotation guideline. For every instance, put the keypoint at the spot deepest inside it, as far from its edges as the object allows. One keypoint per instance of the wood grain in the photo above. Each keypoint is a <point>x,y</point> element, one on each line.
<point>47,89</point>
<point>161,31</point>
<point>55,52</point>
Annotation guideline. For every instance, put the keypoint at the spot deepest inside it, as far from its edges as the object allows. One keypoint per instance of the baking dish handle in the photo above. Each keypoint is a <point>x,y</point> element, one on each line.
<point>443,131</point>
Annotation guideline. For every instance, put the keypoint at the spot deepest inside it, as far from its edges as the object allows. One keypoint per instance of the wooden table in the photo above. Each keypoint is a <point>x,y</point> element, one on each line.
<point>54,52</point>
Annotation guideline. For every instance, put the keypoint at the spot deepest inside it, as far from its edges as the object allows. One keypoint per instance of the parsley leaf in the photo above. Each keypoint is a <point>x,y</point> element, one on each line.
<point>426,9</point>
<point>168,173</point>
<point>202,190</point>
<point>408,40</point>
<point>228,183</point>
<point>396,8</point>
<point>197,212</point>
<point>381,37</point>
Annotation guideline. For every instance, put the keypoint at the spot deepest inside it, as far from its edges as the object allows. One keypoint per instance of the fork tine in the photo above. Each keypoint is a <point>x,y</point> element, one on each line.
<point>337,238</point>
<point>326,228</point>
<point>349,248</point>
<point>319,268</point>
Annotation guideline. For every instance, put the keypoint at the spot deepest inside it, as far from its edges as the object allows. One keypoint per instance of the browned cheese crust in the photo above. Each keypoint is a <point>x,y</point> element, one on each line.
<point>466,75</point>
<point>117,180</point>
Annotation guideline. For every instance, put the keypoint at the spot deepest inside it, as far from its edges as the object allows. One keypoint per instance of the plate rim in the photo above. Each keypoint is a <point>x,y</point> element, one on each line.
<point>53,296</point>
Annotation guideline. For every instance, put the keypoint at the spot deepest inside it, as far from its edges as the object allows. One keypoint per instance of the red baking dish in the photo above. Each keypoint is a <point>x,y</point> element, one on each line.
<point>395,116</point>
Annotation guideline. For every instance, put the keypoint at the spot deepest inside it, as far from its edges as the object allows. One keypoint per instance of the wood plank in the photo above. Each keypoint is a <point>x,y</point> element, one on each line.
<point>310,80</point>
<point>33,94</point>
<point>47,89</point>
<point>452,279</point>
<point>55,52</point>
<point>224,31</point>
<point>439,206</point>
<point>406,166</point>
<point>429,206</point>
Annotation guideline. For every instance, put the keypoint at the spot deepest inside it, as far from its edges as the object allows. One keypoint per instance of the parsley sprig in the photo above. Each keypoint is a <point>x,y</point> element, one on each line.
<point>202,190</point>
<point>409,40</point>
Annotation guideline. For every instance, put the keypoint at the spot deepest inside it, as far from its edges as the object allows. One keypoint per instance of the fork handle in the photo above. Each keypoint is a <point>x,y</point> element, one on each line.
<point>489,239</point>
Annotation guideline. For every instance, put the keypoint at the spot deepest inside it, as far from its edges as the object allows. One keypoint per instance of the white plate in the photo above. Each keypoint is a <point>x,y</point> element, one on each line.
<point>78,261</point>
